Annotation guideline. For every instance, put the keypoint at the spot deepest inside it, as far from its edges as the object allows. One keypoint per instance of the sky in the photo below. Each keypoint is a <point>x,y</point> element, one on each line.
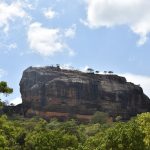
<point>100,34</point>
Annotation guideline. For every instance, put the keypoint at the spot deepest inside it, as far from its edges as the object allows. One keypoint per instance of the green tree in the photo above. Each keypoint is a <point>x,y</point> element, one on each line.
<point>143,121</point>
<point>90,70</point>
<point>120,136</point>
<point>124,136</point>
<point>99,117</point>
<point>4,88</point>
<point>110,72</point>
<point>91,130</point>
<point>69,140</point>
<point>9,134</point>
<point>43,140</point>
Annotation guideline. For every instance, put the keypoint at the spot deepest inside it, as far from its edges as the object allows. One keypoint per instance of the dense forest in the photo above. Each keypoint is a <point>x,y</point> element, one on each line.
<point>20,133</point>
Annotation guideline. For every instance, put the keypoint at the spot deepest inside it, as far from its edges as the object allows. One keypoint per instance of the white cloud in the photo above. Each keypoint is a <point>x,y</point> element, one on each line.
<point>110,13</point>
<point>84,69</point>
<point>70,32</point>
<point>7,47</point>
<point>12,46</point>
<point>2,73</point>
<point>9,12</point>
<point>16,101</point>
<point>50,13</point>
<point>47,41</point>
<point>32,5</point>
<point>66,66</point>
<point>144,81</point>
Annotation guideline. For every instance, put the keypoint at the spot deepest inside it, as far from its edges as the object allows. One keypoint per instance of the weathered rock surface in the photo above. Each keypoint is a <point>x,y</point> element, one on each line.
<point>54,92</point>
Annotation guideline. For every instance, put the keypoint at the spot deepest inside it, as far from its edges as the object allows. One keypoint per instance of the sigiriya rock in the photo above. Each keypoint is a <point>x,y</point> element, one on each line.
<point>53,92</point>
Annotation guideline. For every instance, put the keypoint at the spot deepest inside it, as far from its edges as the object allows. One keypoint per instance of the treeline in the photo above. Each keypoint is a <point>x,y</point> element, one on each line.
<point>37,134</point>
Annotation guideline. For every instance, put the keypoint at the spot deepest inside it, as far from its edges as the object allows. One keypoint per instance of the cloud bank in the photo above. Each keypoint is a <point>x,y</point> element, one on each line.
<point>110,13</point>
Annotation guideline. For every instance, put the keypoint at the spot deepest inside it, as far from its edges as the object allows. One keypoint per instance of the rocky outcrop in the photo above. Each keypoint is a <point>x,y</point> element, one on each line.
<point>54,92</point>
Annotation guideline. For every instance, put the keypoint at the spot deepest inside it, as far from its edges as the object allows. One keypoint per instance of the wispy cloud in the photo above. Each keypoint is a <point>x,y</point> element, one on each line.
<point>110,13</point>
<point>71,32</point>
<point>47,41</point>
<point>2,73</point>
<point>9,12</point>
<point>12,46</point>
<point>8,47</point>
<point>49,13</point>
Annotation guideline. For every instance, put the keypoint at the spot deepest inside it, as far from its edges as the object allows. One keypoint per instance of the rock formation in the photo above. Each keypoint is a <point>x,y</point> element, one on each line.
<point>54,92</point>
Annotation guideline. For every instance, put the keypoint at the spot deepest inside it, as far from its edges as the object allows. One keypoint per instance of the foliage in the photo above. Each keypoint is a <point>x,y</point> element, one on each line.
<point>143,122</point>
<point>37,134</point>
<point>4,88</point>
<point>90,70</point>
<point>100,117</point>
<point>118,118</point>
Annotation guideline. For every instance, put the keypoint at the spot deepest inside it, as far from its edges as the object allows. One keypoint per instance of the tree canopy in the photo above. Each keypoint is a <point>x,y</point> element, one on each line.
<point>4,88</point>
<point>20,133</point>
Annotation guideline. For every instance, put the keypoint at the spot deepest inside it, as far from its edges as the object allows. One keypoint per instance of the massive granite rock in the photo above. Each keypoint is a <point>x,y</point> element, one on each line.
<point>54,92</point>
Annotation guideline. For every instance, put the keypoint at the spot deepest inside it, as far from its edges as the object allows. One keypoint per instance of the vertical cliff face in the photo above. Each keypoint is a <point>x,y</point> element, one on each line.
<point>53,92</point>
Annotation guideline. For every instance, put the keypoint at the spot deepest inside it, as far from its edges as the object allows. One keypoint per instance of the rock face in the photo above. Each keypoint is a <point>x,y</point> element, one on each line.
<point>54,92</point>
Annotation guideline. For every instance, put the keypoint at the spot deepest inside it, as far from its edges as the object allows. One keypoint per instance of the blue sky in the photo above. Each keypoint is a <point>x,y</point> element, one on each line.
<point>101,34</point>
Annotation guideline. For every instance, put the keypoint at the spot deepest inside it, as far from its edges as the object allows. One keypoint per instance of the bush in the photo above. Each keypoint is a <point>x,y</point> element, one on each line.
<point>100,117</point>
